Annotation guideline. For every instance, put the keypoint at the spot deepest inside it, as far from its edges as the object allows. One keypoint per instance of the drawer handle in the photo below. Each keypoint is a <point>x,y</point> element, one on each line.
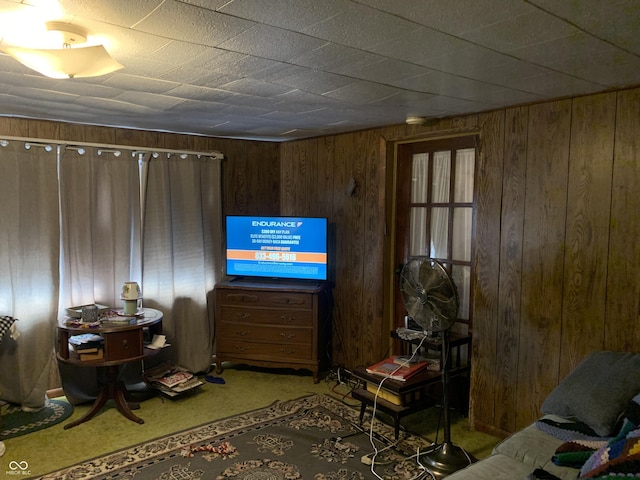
<point>288,336</point>
<point>287,351</point>
<point>125,344</point>
<point>288,300</point>
<point>241,297</point>
<point>242,348</point>
<point>241,333</point>
<point>286,319</point>
<point>243,315</point>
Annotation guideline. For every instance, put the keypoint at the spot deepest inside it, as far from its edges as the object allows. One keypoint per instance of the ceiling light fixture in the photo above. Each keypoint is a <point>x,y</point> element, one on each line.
<point>69,61</point>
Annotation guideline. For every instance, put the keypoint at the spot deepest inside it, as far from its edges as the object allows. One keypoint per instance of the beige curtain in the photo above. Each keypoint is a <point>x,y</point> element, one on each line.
<point>101,227</point>
<point>29,252</point>
<point>183,252</point>
<point>100,231</point>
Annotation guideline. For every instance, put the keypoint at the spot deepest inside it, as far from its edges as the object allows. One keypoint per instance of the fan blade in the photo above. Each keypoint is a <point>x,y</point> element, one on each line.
<point>430,295</point>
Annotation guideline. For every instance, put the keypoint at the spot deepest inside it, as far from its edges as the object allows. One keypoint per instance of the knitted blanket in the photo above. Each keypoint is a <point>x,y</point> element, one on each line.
<point>602,458</point>
<point>7,325</point>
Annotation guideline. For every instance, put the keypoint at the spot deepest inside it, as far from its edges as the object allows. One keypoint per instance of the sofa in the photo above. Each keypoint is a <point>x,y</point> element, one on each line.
<point>589,428</point>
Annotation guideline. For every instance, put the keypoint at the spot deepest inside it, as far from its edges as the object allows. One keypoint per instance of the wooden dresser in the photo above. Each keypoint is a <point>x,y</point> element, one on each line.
<point>273,324</point>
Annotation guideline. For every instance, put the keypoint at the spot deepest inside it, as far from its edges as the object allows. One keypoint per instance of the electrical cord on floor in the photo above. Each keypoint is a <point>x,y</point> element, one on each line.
<point>372,457</point>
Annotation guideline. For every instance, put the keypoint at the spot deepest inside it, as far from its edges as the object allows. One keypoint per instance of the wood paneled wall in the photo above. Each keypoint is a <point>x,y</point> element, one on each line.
<point>557,230</point>
<point>557,250</point>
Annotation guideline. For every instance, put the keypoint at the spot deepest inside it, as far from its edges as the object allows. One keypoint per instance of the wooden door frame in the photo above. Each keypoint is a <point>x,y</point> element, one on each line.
<point>394,150</point>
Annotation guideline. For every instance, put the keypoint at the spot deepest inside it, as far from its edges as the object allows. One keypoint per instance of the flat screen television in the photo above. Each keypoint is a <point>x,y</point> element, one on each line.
<point>277,247</point>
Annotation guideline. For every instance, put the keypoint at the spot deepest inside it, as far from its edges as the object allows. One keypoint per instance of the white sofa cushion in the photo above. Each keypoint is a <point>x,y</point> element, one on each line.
<point>535,448</point>
<point>495,467</point>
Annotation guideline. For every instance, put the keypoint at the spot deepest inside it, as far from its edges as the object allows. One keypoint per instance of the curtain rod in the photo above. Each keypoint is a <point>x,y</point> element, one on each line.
<point>134,149</point>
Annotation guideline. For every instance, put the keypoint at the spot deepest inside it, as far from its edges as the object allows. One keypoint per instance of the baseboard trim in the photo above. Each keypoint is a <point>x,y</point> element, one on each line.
<point>490,429</point>
<point>55,393</point>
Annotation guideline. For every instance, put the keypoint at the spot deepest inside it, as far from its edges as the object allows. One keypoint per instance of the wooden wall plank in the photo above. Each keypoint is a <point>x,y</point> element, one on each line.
<point>14,127</point>
<point>511,238</point>
<point>348,291</point>
<point>373,333</point>
<point>290,174</point>
<point>485,284</point>
<point>251,179</point>
<point>354,150</point>
<point>587,228</point>
<point>543,249</point>
<point>623,279</point>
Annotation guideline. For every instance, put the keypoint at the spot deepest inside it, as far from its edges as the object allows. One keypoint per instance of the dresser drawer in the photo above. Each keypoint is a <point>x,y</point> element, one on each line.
<point>266,351</point>
<point>267,316</point>
<point>266,334</point>
<point>261,299</point>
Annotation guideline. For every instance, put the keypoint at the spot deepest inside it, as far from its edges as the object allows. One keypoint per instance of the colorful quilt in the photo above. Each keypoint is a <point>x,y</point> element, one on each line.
<point>602,458</point>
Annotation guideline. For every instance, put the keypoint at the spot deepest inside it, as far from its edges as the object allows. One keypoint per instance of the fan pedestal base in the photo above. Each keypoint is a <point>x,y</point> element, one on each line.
<point>446,459</point>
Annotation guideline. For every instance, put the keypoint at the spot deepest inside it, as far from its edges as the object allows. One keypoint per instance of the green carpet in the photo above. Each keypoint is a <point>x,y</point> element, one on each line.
<point>16,422</point>
<point>312,437</point>
<point>246,389</point>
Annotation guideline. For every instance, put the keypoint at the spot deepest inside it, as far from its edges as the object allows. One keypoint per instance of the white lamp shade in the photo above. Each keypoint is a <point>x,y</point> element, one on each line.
<point>131,291</point>
<point>74,62</point>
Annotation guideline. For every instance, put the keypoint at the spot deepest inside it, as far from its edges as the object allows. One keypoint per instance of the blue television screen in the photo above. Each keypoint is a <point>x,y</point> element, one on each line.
<point>277,247</point>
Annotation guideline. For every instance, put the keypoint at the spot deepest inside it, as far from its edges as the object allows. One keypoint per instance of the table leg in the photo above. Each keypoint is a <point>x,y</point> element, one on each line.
<point>113,389</point>
<point>363,408</point>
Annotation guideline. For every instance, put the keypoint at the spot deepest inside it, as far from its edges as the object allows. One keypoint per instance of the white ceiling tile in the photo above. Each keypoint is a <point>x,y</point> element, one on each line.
<point>467,61</point>
<point>37,94</point>
<point>361,92</point>
<point>555,84</point>
<point>300,14</point>
<point>361,27</point>
<point>139,84</point>
<point>157,102</point>
<point>386,71</point>
<point>532,28</point>
<point>419,45</point>
<point>249,86</point>
<point>454,16</point>
<point>307,79</point>
<point>180,21</point>
<point>270,42</point>
<point>114,12</point>
<point>615,21</point>
<point>335,58</point>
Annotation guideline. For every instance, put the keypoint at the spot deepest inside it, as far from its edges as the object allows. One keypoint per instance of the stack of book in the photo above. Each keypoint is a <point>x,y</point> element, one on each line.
<point>398,367</point>
<point>171,379</point>
<point>401,368</point>
<point>88,346</point>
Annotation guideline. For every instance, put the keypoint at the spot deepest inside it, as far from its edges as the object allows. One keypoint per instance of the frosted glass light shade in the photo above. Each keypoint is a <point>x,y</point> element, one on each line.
<point>76,62</point>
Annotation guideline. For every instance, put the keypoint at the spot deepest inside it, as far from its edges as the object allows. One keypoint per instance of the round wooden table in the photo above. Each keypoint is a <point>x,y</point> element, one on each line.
<point>122,344</point>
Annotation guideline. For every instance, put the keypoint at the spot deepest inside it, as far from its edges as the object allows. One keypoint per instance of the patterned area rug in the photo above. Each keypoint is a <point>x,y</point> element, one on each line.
<point>16,422</point>
<point>313,437</point>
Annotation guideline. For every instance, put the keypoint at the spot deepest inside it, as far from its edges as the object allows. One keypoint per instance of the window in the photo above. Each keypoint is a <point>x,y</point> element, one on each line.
<point>435,211</point>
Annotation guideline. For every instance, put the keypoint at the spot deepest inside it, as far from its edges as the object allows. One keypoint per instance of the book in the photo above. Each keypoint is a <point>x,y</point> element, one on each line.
<point>88,357</point>
<point>117,321</point>
<point>404,399</point>
<point>83,349</point>
<point>390,369</point>
<point>171,380</point>
<point>408,359</point>
<point>384,394</point>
